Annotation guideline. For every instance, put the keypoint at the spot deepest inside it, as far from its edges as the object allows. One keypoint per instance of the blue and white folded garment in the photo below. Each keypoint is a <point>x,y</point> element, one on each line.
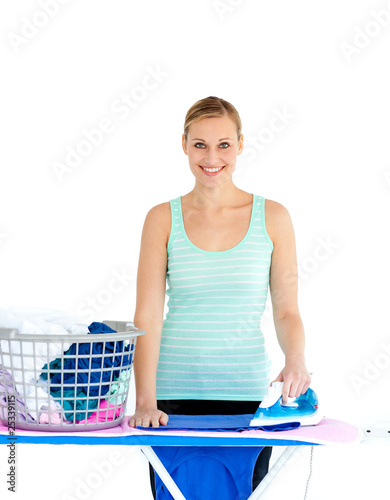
<point>223,423</point>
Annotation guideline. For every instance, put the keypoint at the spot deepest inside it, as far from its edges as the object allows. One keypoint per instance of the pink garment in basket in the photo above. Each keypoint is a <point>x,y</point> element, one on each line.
<point>102,414</point>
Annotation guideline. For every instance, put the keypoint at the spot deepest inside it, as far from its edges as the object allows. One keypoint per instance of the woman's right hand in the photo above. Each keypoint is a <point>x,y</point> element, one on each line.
<point>147,417</point>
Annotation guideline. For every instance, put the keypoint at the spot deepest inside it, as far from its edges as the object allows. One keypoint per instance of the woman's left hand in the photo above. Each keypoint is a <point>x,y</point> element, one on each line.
<point>296,379</point>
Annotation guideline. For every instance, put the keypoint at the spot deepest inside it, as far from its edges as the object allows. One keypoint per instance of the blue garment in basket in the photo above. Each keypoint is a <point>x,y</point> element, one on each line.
<point>103,360</point>
<point>108,356</point>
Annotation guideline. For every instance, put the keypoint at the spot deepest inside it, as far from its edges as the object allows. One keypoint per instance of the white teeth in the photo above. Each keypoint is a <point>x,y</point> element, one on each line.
<point>212,169</point>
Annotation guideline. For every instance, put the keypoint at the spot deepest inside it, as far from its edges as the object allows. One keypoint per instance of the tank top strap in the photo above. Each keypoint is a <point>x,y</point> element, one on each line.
<point>257,208</point>
<point>175,221</point>
<point>175,217</point>
<point>259,219</point>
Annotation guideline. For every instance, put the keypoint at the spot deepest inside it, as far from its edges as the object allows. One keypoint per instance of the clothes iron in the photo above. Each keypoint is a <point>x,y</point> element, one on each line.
<point>272,410</point>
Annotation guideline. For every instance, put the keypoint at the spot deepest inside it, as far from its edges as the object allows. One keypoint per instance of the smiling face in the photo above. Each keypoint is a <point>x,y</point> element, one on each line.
<point>212,147</point>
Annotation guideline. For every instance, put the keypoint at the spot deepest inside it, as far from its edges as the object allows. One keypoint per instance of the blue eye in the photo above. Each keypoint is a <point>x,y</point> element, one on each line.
<point>201,143</point>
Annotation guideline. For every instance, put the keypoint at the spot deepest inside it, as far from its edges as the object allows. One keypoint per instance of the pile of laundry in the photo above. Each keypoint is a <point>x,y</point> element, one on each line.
<point>61,382</point>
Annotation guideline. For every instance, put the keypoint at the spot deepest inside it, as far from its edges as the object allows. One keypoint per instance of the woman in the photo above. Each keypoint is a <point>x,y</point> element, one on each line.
<point>219,248</point>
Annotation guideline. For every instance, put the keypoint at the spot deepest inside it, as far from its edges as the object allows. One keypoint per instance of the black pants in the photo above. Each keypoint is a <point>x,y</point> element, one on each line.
<point>208,407</point>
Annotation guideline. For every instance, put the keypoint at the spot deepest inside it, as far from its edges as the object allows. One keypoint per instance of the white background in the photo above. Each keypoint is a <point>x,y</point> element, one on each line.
<point>65,237</point>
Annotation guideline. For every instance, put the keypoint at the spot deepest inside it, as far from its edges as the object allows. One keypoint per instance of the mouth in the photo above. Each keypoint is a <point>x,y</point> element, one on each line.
<point>211,171</point>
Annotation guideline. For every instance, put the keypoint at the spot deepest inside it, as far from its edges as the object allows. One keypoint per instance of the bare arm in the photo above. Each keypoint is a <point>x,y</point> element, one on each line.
<point>151,278</point>
<point>284,296</point>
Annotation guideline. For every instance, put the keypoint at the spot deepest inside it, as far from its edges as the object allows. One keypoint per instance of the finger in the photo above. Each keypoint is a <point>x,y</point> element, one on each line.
<point>164,419</point>
<point>302,388</point>
<point>294,389</point>
<point>146,421</point>
<point>155,422</point>
<point>286,391</point>
<point>304,384</point>
<point>305,387</point>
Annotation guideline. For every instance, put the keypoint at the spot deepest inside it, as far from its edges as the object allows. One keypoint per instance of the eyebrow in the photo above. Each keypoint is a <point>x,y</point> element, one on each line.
<point>223,138</point>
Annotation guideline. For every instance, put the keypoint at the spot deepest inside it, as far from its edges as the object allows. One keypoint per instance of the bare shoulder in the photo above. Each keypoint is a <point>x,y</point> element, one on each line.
<point>158,221</point>
<point>275,209</point>
<point>277,219</point>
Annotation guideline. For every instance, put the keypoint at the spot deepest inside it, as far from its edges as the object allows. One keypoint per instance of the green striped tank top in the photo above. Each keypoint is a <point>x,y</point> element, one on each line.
<point>212,346</point>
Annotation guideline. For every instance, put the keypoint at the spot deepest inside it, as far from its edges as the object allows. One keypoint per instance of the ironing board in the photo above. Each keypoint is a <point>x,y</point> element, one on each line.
<point>327,432</point>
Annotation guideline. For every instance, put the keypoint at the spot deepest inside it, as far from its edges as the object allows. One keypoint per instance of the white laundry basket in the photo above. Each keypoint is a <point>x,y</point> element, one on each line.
<point>91,394</point>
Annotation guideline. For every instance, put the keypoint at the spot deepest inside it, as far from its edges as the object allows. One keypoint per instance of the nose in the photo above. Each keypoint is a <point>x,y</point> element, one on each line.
<point>211,158</point>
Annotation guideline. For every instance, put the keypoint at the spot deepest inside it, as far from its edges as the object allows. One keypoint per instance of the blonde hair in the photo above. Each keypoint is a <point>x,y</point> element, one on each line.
<point>210,107</point>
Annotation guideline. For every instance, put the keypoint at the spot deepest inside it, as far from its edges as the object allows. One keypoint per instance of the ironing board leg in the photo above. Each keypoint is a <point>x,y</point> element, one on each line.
<point>162,472</point>
<point>273,472</point>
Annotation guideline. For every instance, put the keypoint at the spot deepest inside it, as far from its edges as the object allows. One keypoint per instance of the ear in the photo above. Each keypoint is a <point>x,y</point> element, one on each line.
<point>184,144</point>
<point>240,144</point>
